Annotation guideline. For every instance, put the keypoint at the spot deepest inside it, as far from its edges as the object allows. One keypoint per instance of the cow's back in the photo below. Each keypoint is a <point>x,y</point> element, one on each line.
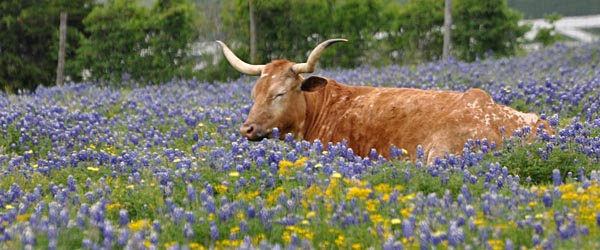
<point>439,121</point>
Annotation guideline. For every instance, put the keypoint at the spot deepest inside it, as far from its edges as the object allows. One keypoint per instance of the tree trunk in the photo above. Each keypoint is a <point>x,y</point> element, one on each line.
<point>60,78</point>
<point>447,28</point>
<point>252,32</point>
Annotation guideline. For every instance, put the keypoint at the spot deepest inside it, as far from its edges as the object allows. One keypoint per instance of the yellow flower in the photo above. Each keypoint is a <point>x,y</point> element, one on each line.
<point>22,217</point>
<point>196,246</point>
<point>356,246</point>
<point>93,169</point>
<point>358,193</point>
<point>200,125</point>
<point>240,216</point>
<point>496,244</point>
<point>220,188</point>
<point>170,244</point>
<point>9,206</point>
<point>339,240</point>
<point>113,206</point>
<point>234,174</point>
<point>176,160</point>
<point>396,221</point>
<point>137,225</point>
<point>406,212</point>
<point>383,188</point>
<point>336,175</point>
<point>287,167</point>
<point>407,198</point>
<point>372,205</point>
<point>310,214</point>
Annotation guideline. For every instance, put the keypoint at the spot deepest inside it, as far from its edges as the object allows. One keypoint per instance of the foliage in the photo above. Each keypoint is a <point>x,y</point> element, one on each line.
<point>290,29</point>
<point>548,36</point>
<point>29,40</point>
<point>130,41</point>
<point>481,27</point>
<point>418,31</point>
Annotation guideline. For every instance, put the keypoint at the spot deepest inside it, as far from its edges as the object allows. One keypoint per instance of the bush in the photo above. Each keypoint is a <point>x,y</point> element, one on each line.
<point>481,27</point>
<point>131,41</point>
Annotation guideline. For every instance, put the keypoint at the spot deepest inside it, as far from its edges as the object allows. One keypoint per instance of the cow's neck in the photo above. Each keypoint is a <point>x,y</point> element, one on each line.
<point>321,108</point>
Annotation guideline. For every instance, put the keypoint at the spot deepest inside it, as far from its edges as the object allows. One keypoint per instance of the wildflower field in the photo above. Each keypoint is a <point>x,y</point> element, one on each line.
<point>163,167</point>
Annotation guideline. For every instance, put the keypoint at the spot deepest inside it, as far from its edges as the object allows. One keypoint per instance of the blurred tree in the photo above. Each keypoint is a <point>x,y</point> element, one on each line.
<point>479,27</point>
<point>486,26</point>
<point>417,31</point>
<point>548,36</point>
<point>291,28</point>
<point>127,40</point>
<point>29,40</point>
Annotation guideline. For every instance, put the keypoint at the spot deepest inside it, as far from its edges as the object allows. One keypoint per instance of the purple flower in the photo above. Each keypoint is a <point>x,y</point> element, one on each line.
<point>556,177</point>
<point>407,228</point>
<point>123,217</point>
<point>547,198</point>
<point>214,231</point>
<point>188,231</point>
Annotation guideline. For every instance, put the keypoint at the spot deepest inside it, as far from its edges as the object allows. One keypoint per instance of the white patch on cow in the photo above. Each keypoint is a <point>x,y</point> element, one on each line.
<point>264,75</point>
<point>273,77</point>
<point>487,119</point>
<point>522,118</point>
<point>473,105</point>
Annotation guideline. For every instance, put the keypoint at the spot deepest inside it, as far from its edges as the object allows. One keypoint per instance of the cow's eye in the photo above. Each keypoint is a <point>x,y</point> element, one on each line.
<point>278,95</point>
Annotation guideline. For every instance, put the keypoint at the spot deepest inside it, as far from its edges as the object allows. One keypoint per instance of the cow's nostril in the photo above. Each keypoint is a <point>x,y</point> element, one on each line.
<point>249,129</point>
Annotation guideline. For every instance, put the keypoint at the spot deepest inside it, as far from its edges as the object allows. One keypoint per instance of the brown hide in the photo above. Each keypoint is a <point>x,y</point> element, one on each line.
<point>439,121</point>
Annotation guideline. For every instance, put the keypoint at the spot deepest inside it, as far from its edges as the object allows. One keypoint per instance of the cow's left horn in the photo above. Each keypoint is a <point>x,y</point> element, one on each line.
<point>313,58</point>
<point>238,64</point>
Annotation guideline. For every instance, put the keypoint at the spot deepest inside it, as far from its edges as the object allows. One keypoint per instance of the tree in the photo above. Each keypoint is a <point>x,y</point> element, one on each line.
<point>29,40</point>
<point>486,26</point>
<point>127,40</point>
<point>417,31</point>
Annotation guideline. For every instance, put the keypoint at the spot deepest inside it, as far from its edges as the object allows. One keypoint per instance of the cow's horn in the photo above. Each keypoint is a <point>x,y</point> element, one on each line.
<point>238,64</point>
<point>309,65</point>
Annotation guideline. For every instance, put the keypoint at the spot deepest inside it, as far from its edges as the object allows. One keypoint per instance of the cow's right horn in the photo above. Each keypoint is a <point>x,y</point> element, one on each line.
<point>238,64</point>
<point>313,58</point>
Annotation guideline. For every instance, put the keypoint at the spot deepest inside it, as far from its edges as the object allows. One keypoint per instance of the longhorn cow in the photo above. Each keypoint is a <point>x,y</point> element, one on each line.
<point>372,117</point>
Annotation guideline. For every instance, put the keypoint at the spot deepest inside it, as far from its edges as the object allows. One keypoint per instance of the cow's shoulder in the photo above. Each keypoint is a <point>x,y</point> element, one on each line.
<point>476,95</point>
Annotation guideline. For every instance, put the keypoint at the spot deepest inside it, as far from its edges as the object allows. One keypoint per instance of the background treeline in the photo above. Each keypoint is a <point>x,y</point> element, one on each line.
<point>154,42</point>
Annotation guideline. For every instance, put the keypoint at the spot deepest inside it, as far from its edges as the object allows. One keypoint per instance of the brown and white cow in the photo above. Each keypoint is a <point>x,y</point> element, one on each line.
<point>369,117</point>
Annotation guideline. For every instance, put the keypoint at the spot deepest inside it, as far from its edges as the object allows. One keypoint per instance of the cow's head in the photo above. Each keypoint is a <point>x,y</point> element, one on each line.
<point>278,98</point>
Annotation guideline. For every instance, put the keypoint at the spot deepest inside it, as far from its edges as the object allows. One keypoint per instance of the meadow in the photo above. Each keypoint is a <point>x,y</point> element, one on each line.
<point>86,166</point>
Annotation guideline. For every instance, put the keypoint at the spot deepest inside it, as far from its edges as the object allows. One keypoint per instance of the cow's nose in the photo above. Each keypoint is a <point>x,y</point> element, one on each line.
<point>248,130</point>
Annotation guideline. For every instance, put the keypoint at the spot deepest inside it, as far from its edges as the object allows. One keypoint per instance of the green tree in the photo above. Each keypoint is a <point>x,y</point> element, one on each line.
<point>417,31</point>
<point>291,28</point>
<point>29,40</point>
<point>127,40</point>
<point>486,26</point>
<point>548,36</point>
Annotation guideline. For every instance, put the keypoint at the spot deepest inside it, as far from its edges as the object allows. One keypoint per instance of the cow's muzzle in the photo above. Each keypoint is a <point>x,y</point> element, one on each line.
<point>254,132</point>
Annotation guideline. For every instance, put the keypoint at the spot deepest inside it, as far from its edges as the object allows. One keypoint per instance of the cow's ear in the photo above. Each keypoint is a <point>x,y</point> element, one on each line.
<point>313,83</point>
